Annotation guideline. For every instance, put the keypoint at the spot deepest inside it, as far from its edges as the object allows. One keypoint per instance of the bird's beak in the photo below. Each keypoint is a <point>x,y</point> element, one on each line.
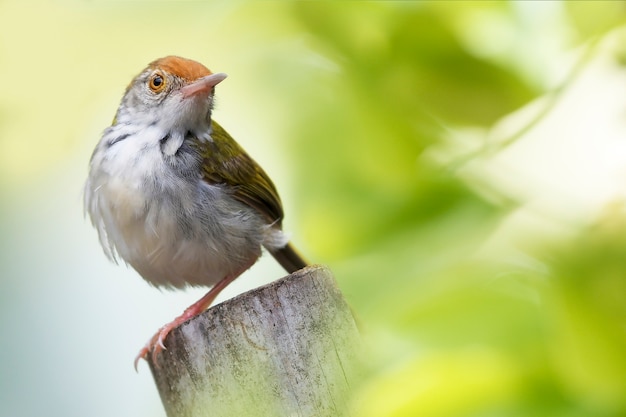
<point>202,85</point>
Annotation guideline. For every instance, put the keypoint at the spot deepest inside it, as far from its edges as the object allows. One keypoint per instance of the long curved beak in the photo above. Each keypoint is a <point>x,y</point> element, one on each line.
<point>203,85</point>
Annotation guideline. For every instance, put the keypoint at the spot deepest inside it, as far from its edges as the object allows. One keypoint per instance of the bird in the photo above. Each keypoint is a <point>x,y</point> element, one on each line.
<point>174,196</point>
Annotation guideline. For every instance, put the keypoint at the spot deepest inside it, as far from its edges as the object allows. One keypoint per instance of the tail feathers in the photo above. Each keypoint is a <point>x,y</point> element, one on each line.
<point>289,258</point>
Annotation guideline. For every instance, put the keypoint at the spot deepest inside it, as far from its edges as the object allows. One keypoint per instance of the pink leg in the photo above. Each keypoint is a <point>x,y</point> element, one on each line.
<point>156,342</point>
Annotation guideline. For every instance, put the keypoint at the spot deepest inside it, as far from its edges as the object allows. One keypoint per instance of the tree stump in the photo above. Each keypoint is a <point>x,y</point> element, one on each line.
<point>289,348</point>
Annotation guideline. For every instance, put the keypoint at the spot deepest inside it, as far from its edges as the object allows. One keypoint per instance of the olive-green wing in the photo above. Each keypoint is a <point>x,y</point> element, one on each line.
<point>225,162</point>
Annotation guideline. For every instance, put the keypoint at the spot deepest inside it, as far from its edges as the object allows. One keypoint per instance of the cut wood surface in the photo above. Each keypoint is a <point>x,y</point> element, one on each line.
<point>290,348</point>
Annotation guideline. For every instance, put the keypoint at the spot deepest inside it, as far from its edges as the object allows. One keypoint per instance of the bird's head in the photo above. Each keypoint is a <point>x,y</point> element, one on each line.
<point>173,93</point>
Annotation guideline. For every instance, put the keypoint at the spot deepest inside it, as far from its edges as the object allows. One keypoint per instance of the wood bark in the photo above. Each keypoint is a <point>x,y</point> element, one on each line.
<point>290,348</point>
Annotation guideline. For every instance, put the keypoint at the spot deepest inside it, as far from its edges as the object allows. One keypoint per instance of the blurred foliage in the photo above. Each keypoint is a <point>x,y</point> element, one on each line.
<point>450,333</point>
<point>591,20</point>
<point>394,88</point>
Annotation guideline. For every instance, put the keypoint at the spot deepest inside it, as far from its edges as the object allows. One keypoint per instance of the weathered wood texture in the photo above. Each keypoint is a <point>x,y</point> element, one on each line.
<point>290,349</point>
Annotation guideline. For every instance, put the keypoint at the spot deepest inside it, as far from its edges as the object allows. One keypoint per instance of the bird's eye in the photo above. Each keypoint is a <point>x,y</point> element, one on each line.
<point>157,82</point>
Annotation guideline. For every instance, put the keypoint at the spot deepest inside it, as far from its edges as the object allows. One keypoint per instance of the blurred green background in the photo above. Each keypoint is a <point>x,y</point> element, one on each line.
<point>461,166</point>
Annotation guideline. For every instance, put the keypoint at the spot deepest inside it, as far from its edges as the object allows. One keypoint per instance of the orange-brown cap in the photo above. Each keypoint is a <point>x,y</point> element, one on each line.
<point>187,69</point>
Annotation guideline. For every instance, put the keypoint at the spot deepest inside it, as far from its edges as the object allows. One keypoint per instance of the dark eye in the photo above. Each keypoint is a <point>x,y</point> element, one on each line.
<point>157,82</point>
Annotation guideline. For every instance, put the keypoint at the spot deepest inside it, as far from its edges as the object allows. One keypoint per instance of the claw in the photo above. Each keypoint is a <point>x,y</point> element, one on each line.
<point>160,342</point>
<point>159,345</point>
<point>143,354</point>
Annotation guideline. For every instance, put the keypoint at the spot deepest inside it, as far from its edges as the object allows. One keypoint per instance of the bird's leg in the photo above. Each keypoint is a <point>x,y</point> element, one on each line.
<point>156,342</point>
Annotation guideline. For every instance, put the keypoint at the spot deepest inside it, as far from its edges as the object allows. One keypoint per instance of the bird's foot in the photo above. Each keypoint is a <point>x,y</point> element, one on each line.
<point>156,344</point>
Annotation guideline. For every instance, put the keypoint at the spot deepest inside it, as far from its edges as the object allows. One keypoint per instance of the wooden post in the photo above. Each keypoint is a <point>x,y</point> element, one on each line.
<point>289,349</point>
